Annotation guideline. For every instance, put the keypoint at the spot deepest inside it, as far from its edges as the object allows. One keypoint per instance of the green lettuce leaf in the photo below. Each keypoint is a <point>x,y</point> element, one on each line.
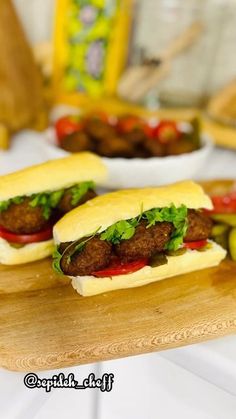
<point>122,230</point>
<point>78,191</point>
<point>125,229</point>
<point>49,200</point>
<point>4,205</point>
<point>56,264</point>
<point>175,215</point>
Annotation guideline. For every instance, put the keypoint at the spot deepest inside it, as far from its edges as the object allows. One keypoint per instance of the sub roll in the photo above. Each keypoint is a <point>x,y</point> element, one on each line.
<point>32,200</point>
<point>134,237</point>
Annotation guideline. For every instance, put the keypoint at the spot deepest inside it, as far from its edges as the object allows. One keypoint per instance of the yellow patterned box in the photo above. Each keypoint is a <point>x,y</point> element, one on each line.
<point>90,46</point>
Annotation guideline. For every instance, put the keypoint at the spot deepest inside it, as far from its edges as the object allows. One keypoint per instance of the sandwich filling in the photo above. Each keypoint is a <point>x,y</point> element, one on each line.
<point>129,245</point>
<point>29,219</point>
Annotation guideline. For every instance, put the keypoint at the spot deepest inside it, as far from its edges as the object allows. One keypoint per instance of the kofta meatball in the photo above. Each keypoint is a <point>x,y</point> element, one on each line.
<point>65,205</point>
<point>23,218</point>
<point>98,130</point>
<point>115,147</point>
<point>96,255</point>
<point>76,142</point>
<point>181,146</point>
<point>199,226</point>
<point>145,242</point>
<point>155,148</point>
<point>63,246</point>
<point>136,136</point>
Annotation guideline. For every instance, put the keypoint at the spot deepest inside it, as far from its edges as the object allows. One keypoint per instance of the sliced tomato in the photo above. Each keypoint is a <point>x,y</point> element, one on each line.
<point>67,125</point>
<point>195,245</point>
<point>167,132</point>
<point>224,203</point>
<point>26,238</point>
<point>119,268</point>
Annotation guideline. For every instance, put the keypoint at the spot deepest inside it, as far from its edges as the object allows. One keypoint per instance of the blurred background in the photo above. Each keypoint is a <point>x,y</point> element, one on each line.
<point>174,57</point>
<point>200,70</point>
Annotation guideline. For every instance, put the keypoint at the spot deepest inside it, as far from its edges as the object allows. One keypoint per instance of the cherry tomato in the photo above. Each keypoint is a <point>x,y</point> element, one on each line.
<point>26,238</point>
<point>129,123</point>
<point>167,132</point>
<point>224,203</point>
<point>119,268</point>
<point>67,125</point>
<point>195,245</point>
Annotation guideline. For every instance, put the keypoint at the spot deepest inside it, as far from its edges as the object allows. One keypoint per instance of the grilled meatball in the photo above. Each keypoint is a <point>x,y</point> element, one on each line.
<point>181,146</point>
<point>78,141</point>
<point>199,226</point>
<point>99,130</point>
<point>63,246</point>
<point>65,204</point>
<point>155,148</point>
<point>136,136</point>
<point>115,147</point>
<point>95,255</point>
<point>145,242</point>
<point>23,219</point>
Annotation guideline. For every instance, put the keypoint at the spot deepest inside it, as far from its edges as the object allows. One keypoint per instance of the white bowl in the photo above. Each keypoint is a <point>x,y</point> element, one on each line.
<point>141,172</point>
<point>138,172</point>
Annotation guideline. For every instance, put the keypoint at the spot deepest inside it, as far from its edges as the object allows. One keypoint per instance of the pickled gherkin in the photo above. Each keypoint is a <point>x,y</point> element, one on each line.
<point>220,233</point>
<point>222,240</point>
<point>232,243</point>
<point>229,219</point>
<point>219,229</point>
<point>158,259</point>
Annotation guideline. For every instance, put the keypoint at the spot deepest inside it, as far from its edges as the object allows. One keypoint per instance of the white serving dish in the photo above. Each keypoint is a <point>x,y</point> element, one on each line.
<point>152,171</point>
<point>137,172</point>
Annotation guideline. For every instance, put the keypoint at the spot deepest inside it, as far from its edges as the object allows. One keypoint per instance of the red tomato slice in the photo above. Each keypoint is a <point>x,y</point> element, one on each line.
<point>121,268</point>
<point>195,245</point>
<point>224,203</point>
<point>167,132</point>
<point>26,238</point>
<point>67,125</point>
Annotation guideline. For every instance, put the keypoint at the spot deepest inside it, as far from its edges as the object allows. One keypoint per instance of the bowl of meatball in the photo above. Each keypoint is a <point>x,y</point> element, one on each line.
<point>138,152</point>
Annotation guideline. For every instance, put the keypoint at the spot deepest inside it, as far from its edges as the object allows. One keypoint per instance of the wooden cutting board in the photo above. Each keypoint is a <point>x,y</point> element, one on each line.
<point>45,324</point>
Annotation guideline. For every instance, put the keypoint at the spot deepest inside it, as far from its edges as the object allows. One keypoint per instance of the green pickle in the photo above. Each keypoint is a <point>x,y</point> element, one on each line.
<point>158,260</point>
<point>222,240</point>
<point>205,248</point>
<point>17,245</point>
<point>220,233</point>
<point>178,252</point>
<point>229,219</point>
<point>232,243</point>
<point>219,229</point>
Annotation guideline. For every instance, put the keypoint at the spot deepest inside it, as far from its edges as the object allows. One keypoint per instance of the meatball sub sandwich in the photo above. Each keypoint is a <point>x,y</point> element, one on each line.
<point>33,199</point>
<point>134,237</point>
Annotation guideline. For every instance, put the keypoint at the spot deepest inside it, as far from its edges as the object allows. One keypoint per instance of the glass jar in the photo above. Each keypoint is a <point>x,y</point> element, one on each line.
<point>158,24</point>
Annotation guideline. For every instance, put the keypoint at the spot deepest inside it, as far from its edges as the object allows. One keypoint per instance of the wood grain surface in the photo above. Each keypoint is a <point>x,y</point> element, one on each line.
<point>45,324</point>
